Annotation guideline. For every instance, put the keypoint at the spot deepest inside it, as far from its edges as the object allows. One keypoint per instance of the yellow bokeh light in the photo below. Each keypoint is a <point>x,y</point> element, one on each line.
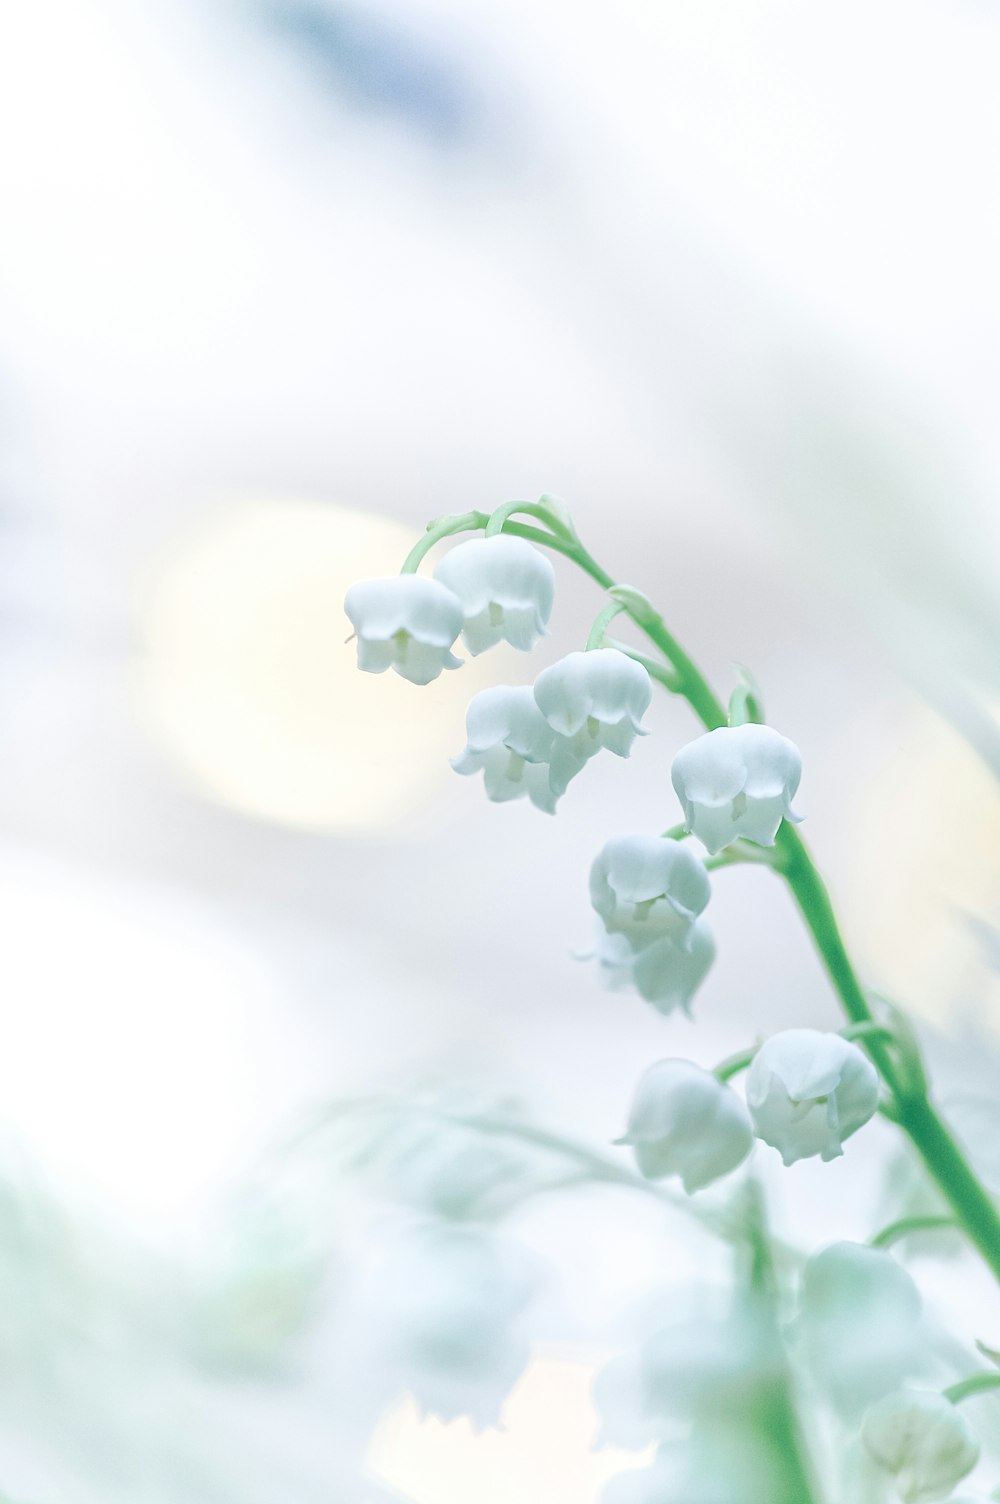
<point>543,1451</point>
<point>925,865</point>
<point>250,688</point>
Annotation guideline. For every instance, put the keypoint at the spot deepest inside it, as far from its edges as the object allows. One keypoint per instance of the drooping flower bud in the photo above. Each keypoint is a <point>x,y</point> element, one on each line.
<point>685,1121</point>
<point>647,888</point>
<point>808,1091</point>
<point>406,622</point>
<point>519,754</point>
<point>923,1441</point>
<point>662,973</point>
<point>737,781</point>
<point>858,1327</point>
<point>596,699</point>
<point>506,588</point>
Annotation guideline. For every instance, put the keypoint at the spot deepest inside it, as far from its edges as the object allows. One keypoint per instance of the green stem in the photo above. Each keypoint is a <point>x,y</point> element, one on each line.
<point>733,1064</point>
<point>904,1226</point>
<point>444,527</point>
<point>595,638</point>
<point>977,1383</point>
<point>770,1402</point>
<point>656,670</point>
<point>973,1207</point>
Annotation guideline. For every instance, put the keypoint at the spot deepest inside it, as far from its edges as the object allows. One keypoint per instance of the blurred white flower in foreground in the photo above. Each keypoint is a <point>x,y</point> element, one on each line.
<point>702,1366</point>
<point>506,588</point>
<point>858,1328</point>
<point>596,699</point>
<point>721,1464</point>
<point>405,622</point>
<point>518,753</point>
<point>685,1121</point>
<point>737,781</point>
<point>808,1091</point>
<point>923,1441</point>
<point>662,973</point>
<point>646,888</point>
<point>449,1304</point>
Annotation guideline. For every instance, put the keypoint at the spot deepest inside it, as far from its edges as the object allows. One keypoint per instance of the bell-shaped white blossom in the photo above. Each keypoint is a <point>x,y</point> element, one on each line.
<point>808,1091</point>
<point>858,1328</point>
<point>923,1441</point>
<point>662,973</point>
<point>685,1121</point>
<point>449,1324</point>
<point>595,699</point>
<point>737,781</point>
<point>647,888</point>
<point>515,748</point>
<point>406,622</point>
<point>506,587</point>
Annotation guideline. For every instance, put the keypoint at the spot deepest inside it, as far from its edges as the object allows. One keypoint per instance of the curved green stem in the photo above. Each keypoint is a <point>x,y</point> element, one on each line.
<point>444,527</point>
<point>973,1207</point>
<point>976,1383</point>
<point>733,1064</point>
<point>595,638</point>
<point>904,1226</point>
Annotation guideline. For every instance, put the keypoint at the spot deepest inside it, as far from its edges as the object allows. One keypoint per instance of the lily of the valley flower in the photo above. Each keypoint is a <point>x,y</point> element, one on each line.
<point>685,1121</point>
<point>647,889</point>
<point>737,781</point>
<point>515,748</point>
<point>452,1302</point>
<point>506,589</point>
<point>809,1091</point>
<point>405,622</point>
<point>662,973</point>
<point>858,1327</point>
<point>923,1440</point>
<point>596,699</point>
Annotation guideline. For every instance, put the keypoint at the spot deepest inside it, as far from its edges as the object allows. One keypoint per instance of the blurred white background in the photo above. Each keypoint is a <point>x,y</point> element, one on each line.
<point>279,281</point>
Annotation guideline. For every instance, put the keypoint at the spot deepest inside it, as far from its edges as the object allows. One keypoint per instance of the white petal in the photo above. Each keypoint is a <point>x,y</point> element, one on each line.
<point>506,588</point>
<point>923,1440</point>
<point>604,685</point>
<point>508,715</point>
<point>404,602</point>
<point>668,976</point>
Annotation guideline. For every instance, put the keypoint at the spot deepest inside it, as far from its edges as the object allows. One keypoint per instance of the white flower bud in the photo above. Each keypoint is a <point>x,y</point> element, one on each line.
<point>858,1327</point>
<point>662,973</point>
<point>809,1091</point>
<point>923,1440</point>
<point>685,1121</point>
<point>597,699</point>
<point>506,589</point>
<point>405,622</point>
<point>646,888</point>
<point>514,746</point>
<point>737,781</point>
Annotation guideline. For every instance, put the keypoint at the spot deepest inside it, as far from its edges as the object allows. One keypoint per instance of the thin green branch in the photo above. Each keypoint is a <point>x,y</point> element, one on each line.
<point>976,1383</point>
<point>905,1225</point>
<point>973,1207</point>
